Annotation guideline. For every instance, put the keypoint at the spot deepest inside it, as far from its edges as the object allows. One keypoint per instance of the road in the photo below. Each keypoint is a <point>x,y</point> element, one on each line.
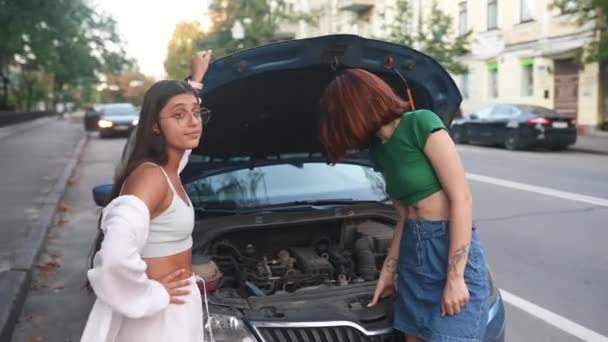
<point>546,253</point>
<point>57,298</point>
<point>547,250</point>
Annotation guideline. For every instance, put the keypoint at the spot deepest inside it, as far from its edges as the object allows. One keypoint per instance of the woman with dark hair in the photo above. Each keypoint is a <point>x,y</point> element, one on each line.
<point>142,269</point>
<point>436,261</point>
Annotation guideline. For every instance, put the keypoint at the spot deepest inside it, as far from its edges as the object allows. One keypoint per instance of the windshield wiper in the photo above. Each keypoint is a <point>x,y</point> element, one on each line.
<point>231,209</point>
<point>330,202</point>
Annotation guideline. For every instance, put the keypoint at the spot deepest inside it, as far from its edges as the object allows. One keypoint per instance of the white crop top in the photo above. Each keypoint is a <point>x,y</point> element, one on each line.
<point>170,232</point>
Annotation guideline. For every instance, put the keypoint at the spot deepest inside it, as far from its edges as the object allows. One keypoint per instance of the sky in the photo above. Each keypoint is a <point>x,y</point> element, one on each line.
<point>147,26</point>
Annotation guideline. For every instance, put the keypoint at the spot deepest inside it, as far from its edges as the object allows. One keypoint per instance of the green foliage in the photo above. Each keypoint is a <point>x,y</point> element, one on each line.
<point>433,36</point>
<point>181,48</point>
<point>586,11</point>
<point>66,40</point>
<point>261,21</point>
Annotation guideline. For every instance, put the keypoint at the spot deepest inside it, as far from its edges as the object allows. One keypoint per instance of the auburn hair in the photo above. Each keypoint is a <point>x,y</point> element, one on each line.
<point>353,107</point>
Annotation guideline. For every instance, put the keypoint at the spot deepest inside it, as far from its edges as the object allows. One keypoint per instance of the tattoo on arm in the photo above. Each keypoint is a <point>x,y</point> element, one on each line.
<point>390,264</point>
<point>457,257</point>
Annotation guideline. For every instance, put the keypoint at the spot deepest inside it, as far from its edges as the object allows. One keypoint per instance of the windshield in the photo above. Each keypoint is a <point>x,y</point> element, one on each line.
<point>540,111</point>
<point>119,109</point>
<point>285,183</point>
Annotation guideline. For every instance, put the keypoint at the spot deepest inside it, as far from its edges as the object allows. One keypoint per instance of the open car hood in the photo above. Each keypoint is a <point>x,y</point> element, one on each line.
<point>265,100</point>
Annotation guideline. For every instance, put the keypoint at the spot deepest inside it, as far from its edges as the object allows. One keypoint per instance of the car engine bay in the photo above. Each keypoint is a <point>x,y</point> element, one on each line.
<point>282,260</point>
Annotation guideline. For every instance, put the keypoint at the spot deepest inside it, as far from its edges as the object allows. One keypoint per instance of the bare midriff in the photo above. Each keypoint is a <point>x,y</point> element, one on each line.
<point>160,267</point>
<point>433,208</point>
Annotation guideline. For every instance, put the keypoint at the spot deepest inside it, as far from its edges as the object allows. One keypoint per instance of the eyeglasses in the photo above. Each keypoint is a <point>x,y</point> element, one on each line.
<point>202,115</point>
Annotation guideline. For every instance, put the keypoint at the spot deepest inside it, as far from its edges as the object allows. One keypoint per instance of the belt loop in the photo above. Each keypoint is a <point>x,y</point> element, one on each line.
<point>418,231</point>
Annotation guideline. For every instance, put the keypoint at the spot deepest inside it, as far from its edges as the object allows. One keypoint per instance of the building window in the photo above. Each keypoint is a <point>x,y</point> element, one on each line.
<point>464,85</point>
<point>492,14</point>
<point>526,8</point>
<point>527,77</point>
<point>462,18</point>
<point>493,80</point>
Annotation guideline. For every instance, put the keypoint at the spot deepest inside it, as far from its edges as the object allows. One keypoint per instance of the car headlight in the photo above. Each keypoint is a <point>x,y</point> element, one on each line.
<point>226,328</point>
<point>105,123</point>
<point>135,122</point>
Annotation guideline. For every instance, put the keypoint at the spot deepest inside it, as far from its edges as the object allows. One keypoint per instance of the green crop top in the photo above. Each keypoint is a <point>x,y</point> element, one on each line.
<point>409,175</point>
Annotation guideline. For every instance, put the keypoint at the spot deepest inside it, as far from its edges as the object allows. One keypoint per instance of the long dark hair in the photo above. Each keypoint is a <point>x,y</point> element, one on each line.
<point>148,146</point>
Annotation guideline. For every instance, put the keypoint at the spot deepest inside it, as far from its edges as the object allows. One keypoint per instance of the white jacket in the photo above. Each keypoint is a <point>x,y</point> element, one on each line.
<point>118,276</point>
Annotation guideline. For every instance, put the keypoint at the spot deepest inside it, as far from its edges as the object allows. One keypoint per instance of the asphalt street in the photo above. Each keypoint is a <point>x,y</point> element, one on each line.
<point>544,243</point>
<point>546,250</point>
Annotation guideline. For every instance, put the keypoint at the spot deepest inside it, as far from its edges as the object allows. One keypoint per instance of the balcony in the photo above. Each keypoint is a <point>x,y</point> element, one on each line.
<point>355,5</point>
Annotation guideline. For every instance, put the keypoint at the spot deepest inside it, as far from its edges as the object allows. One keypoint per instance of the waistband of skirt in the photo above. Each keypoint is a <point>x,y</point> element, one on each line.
<point>422,229</point>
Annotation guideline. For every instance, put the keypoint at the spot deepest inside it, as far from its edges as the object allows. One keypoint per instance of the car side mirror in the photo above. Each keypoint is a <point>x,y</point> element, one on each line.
<point>101,194</point>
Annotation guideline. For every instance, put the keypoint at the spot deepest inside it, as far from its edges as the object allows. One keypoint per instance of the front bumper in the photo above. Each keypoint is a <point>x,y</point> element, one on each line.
<point>339,331</point>
<point>495,331</point>
<point>117,129</point>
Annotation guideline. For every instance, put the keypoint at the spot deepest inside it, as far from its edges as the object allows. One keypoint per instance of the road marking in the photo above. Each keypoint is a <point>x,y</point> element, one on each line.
<point>552,318</point>
<point>468,149</point>
<point>539,190</point>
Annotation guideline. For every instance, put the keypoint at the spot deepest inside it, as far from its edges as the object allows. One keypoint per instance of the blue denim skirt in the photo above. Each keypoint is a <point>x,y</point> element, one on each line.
<point>421,276</point>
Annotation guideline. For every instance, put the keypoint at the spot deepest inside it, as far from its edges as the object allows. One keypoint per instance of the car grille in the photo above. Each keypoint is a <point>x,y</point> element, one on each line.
<point>319,334</point>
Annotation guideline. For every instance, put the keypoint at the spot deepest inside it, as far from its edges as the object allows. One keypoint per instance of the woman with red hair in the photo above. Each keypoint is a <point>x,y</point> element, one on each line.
<point>436,261</point>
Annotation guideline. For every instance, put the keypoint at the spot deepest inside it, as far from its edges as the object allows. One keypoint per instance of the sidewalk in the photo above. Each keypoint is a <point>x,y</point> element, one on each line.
<point>61,272</point>
<point>37,160</point>
<point>597,143</point>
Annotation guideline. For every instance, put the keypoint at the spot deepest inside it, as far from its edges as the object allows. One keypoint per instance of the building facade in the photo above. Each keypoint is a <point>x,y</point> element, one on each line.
<point>521,50</point>
<point>524,52</point>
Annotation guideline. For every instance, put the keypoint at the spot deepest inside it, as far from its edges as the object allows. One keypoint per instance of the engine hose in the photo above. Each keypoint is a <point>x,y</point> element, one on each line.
<point>315,244</point>
<point>224,243</point>
<point>366,261</point>
<point>216,246</point>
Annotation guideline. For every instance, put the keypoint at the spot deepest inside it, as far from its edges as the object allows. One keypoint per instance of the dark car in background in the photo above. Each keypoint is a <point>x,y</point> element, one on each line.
<point>299,241</point>
<point>516,127</point>
<point>116,118</point>
<point>91,117</point>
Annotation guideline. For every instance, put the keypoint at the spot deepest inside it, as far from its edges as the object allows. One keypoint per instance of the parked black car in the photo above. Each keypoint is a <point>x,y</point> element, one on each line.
<point>516,127</point>
<point>299,240</point>
<point>91,118</point>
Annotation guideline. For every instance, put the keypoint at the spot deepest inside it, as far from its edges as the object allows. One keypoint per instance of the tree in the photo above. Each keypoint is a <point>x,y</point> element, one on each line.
<point>32,87</point>
<point>402,27</point>
<point>182,46</point>
<point>17,20</point>
<point>128,86</point>
<point>65,39</point>
<point>83,48</point>
<point>260,20</point>
<point>433,36</point>
<point>586,11</point>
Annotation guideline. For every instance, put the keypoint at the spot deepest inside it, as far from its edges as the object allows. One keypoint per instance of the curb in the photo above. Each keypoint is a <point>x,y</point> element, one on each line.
<point>8,131</point>
<point>587,150</point>
<point>15,283</point>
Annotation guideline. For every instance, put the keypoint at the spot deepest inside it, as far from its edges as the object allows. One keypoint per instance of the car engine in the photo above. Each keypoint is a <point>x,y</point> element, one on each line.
<point>271,262</point>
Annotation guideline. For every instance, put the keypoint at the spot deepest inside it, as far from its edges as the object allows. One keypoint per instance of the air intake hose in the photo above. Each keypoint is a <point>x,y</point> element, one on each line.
<point>366,261</point>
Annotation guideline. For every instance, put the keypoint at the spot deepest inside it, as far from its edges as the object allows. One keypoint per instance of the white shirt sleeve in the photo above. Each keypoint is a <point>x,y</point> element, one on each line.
<point>118,276</point>
<point>184,161</point>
